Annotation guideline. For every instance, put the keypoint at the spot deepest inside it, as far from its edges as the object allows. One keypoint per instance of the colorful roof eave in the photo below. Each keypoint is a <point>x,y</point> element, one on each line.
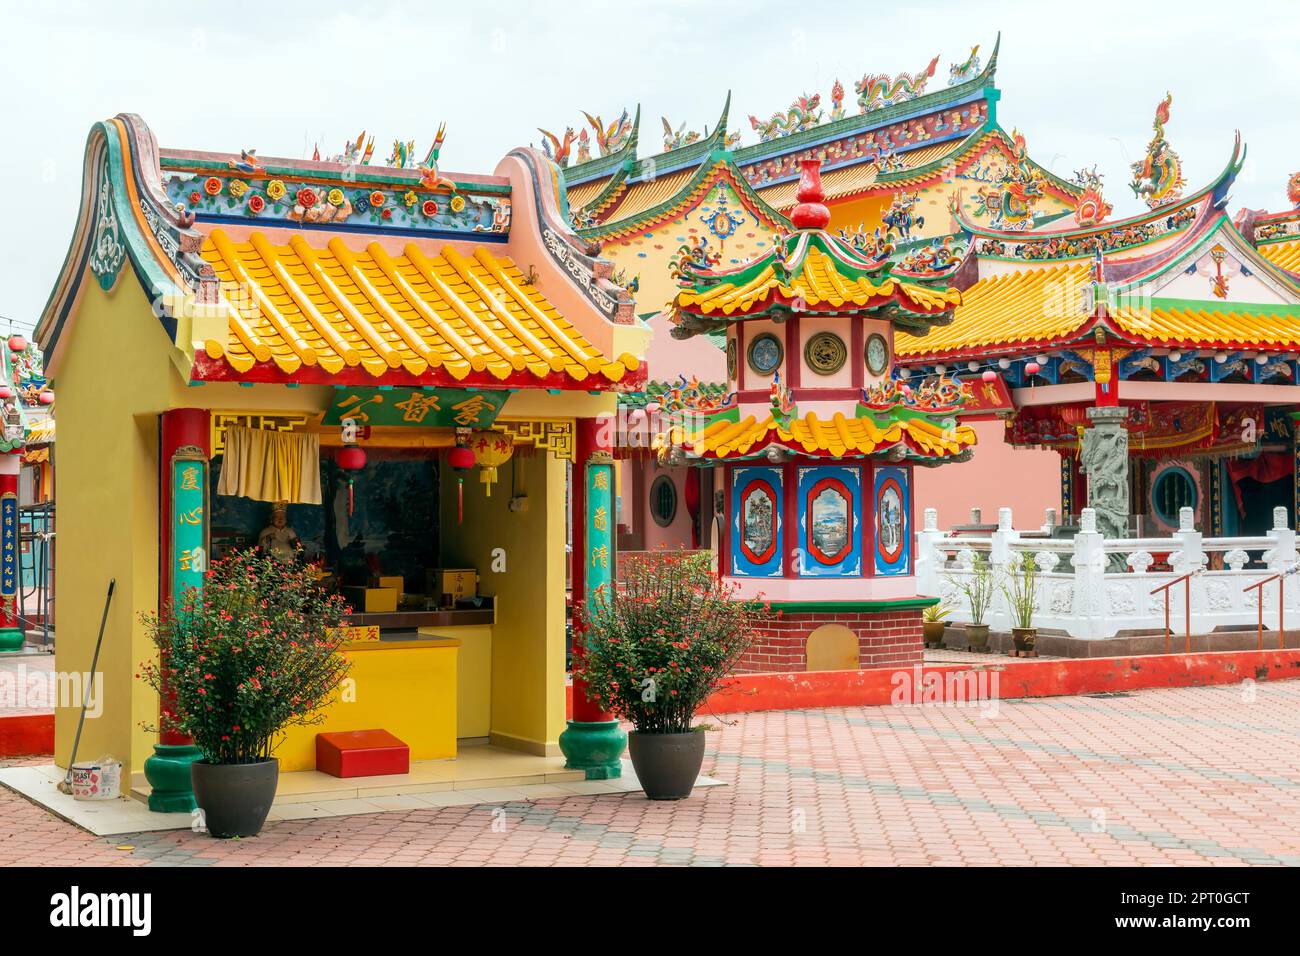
<point>859,122</point>
<point>757,288</point>
<point>879,435</point>
<point>124,217</point>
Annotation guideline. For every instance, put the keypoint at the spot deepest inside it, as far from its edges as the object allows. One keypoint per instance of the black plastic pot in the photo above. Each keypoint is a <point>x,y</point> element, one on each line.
<point>666,764</point>
<point>234,798</point>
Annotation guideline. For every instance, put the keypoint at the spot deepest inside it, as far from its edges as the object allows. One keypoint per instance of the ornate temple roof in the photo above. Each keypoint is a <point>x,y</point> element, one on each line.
<point>904,136</point>
<point>808,271</point>
<point>1039,288</point>
<point>818,271</point>
<point>276,270</point>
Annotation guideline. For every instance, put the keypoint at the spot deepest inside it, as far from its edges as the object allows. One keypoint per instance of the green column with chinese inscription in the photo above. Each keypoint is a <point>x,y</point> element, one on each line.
<point>184,538</point>
<point>593,741</point>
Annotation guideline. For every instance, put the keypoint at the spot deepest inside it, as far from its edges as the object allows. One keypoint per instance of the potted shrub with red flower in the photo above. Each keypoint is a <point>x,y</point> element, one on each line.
<point>653,651</point>
<point>255,651</point>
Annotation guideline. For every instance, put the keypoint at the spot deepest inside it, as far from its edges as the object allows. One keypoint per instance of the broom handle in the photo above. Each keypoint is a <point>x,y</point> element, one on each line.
<point>94,663</point>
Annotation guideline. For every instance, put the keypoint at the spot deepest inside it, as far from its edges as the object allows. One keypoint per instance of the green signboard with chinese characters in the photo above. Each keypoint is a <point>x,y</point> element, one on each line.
<point>600,538</point>
<point>189,531</point>
<point>417,407</point>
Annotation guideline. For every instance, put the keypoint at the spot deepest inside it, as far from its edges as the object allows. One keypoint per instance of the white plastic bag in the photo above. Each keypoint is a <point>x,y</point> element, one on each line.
<point>97,779</point>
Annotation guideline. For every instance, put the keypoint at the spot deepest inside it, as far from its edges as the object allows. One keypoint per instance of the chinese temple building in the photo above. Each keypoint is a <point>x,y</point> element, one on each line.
<point>897,157</point>
<point>1156,354</point>
<point>814,443</point>
<point>389,372</point>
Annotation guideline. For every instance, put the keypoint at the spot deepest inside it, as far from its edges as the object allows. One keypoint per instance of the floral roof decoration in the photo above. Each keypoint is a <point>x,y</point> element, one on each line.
<point>407,195</point>
<point>811,271</point>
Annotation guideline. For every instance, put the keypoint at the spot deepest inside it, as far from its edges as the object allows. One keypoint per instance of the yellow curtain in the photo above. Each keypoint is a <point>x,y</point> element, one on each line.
<point>271,466</point>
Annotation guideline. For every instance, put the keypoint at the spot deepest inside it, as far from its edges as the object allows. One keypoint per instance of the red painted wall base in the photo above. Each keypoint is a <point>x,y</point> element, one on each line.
<point>26,734</point>
<point>952,682</point>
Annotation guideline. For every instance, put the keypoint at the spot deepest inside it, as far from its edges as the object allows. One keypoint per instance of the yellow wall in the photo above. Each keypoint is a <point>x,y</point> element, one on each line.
<point>408,690</point>
<point>527,693</point>
<point>657,288</point>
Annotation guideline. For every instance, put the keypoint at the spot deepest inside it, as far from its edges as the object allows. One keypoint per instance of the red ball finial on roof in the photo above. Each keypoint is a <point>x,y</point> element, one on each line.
<point>810,213</point>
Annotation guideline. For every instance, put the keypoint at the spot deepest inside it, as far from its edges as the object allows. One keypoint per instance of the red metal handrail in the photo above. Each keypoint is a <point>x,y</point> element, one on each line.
<point>1281,604</point>
<point>1187,607</point>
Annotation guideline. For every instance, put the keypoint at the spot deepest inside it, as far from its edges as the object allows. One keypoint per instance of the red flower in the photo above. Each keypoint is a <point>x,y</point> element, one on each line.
<point>387,214</point>
<point>256,203</point>
<point>195,198</point>
<point>305,197</point>
<point>430,208</point>
<point>212,185</point>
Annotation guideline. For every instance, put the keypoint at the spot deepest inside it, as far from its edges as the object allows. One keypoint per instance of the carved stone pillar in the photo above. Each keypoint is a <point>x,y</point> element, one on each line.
<point>1104,459</point>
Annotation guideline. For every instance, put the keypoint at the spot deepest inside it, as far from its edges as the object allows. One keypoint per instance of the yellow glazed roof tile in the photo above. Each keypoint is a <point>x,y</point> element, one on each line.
<point>837,436</point>
<point>1284,255</point>
<point>337,307</point>
<point>1032,305</point>
<point>584,193</point>
<point>1184,324</point>
<point>638,197</point>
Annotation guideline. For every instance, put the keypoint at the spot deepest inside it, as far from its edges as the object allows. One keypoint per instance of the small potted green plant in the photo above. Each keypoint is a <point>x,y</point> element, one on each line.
<point>1021,590</point>
<point>254,651</point>
<point>932,623</point>
<point>979,588</point>
<point>654,650</point>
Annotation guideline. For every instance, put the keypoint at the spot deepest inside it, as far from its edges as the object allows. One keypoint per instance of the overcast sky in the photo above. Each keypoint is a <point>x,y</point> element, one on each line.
<point>1081,83</point>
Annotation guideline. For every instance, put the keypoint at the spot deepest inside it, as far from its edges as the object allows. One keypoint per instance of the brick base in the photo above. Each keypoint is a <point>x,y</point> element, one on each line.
<point>885,639</point>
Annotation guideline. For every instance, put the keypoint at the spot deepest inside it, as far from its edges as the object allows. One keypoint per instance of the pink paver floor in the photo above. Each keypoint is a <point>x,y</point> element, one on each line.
<point>1201,776</point>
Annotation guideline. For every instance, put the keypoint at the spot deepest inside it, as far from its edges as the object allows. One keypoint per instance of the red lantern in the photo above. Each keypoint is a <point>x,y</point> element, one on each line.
<point>1032,368</point>
<point>990,375</point>
<point>46,397</point>
<point>350,458</point>
<point>462,460</point>
<point>5,392</point>
<point>17,343</point>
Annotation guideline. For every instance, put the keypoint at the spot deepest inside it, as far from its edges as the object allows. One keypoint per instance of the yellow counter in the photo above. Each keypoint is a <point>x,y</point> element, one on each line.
<point>408,688</point>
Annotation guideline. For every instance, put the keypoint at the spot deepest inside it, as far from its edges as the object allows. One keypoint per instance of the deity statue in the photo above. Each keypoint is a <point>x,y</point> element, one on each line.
<point>278,539</point>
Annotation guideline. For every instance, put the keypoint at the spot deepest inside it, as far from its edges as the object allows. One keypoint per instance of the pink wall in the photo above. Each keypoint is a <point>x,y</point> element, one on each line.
<point>677,534</point>
<point>1028,481</point>
<point>667,357</point>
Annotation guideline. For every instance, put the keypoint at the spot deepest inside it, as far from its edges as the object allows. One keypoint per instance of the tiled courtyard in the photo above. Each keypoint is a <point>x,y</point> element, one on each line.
<point>1202,776</point>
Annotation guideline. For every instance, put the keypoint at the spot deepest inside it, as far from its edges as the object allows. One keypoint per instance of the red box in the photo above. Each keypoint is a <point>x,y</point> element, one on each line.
<point>361,753</point>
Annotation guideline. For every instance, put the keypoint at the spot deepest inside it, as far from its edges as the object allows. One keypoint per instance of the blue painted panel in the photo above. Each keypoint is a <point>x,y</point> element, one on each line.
<point>892,497</point>
<point>830,521</point>
<point>757,495</point>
